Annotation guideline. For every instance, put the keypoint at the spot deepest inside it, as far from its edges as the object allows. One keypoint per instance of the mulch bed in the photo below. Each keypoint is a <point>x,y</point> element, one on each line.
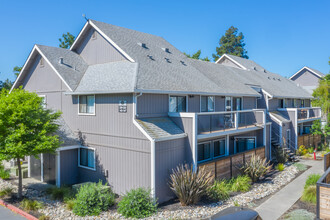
<point>300,205</point>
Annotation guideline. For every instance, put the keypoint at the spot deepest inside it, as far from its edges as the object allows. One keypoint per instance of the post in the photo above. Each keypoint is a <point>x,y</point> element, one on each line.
<point>236,120</point>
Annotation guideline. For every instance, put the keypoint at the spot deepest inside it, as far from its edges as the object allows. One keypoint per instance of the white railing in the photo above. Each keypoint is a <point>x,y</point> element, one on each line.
<point>308,113</point>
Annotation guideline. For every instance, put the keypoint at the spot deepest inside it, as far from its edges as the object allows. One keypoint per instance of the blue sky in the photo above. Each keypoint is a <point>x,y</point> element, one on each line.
<point>281,35</point>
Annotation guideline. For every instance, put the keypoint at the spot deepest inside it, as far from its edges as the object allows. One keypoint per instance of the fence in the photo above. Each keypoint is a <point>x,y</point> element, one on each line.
<point>309,140</point>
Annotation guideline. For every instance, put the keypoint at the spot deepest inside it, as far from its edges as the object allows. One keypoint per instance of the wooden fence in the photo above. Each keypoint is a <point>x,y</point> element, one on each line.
<point>309,140</point>
<point>225,167</point>
<point>323,196</point>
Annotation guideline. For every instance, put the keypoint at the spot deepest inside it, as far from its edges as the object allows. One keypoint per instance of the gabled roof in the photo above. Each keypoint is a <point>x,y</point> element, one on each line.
<point>314,71</point>
<point>245,64</point>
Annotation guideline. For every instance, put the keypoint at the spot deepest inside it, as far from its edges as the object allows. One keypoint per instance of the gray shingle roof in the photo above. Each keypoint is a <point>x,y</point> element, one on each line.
<point>249,64</point>
<point>158,128</point>
<point>73,66</point>
<point>316,71</point>
<point>279,116</point>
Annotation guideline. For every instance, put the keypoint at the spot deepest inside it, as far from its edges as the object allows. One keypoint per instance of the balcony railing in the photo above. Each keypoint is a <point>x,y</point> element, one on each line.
<point>211,122</point>
<point>309,113</point>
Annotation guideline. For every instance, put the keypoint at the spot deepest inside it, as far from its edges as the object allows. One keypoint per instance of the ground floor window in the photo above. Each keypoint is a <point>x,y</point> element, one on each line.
<point>211,149</point>
<point>219,148</point>
<point>244,144</point>
<point>87,158</point>
<point>204,151</point>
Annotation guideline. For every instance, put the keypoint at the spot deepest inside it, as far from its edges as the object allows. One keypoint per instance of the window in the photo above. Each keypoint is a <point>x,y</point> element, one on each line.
<point>281,103</point>
<point>87,158</point>
<point>204,151</point>
<point>295,103</point>
<point>207,103</point>
<point>44,101</point>
<point>302,103</point>
<point>244,144</point>
<point>237,102</point>
<point>228,103</point>
<point>178,103</point>
<point>219,148</point>
<point>87,104</point>
<point>307,129</point>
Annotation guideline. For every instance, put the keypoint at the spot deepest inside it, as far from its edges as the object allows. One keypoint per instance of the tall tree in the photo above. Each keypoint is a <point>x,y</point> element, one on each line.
<point>67,40</point>
<point>17,70</point>
<point>197,55</point>
<point>324,131</point>
<point>26,128</point>
<point>231,43</point>
<point>322,95</point>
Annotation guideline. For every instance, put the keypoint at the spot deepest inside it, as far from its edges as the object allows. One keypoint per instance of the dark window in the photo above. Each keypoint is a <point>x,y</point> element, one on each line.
<point>219,148</point>
<point>244,144</point>
<point>207,103</point>
<point>177,104</point>
<point>204,151</point>
<point>281,104</point>
<point>87,158</point>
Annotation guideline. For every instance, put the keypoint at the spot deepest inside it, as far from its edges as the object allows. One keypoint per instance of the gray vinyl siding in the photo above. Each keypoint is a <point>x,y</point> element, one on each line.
<point>69,167</point>
<point>261,102</point>
<point>268,143</point>
<point>306,78</point>
<point>126,169</point>
<point>249,103</point>
<point>152,105</point>
<point>194,103</point>
<point>99,50</point>
<point>219,103</point>
<point>273,104</point>
<point>169,154</point>
<point>290,125</point>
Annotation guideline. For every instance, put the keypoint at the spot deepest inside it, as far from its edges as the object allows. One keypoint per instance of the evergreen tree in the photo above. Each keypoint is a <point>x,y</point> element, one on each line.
<point>66,41</point>
<point>197,55</point>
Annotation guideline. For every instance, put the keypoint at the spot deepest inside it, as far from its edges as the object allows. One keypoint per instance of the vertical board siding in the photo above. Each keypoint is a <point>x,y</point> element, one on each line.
<point>306,78</point>
<point>324,201</point>
<point>152,105</point>
<point>194,103</point>
<point>273,104</point>
<point>261,102</point>
<point>169,154</point>
<point>249,103</point>
<point>69,167</point>
<point>98,50</point>
<point>219,103</point>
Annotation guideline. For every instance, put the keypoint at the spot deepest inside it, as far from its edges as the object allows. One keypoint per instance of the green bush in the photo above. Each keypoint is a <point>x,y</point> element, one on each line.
<point>311,150</point>
<point>218,191</point>
<point>309,194</point>
<point>4,174</point>
<point>5,192</point>
<point>61,193</point>
<point>280,167</point>
<point>312,180</point>
<point>31,205</point>
<point>241,183</point>
<point>44,217</point>
<point>188,184</point>
<point>300,166</point>
<point>255,168</point>
<point>302,150</point>
<point>137,203</point>
<point>280,154</point>
<point>92,199</point>
<point>69,204</point>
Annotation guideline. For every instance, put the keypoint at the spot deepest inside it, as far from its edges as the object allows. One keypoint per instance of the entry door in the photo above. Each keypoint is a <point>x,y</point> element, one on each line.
<point>49,168</point>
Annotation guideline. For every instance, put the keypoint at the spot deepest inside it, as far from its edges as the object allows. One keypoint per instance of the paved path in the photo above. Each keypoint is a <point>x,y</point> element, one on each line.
<point>7,214</point>
<point>280,202</point>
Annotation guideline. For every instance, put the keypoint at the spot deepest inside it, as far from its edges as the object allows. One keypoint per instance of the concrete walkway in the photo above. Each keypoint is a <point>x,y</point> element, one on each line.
<point>280,202</point>
<point>6,214</point>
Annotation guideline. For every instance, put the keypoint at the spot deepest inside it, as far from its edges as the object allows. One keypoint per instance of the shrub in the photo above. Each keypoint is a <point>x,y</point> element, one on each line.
<point>280,167</point>
<point>309,194</point>
<point>236,203</point>
<point>44,217</point>
<point>189,185</point>
<point>302,150</point>
<point>137,203</point>
<point>70,204</point>
<point>255,168</point>
<point>61,193</point>
<point>219,190</point>
<point>280,154</point>
<point>5,192</point>
<point>92,199</point>
<point>31,205</point>
<point>311,150</point>
<point>300,166</point>
<point>312,180</point>
<point>240,184</point>
<point>307,155</point>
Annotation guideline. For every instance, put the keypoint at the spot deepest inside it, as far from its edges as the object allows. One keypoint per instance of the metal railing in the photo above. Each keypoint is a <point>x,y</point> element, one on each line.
<point>209,122</point>
<point>307,113</point>
<point>283,141</point>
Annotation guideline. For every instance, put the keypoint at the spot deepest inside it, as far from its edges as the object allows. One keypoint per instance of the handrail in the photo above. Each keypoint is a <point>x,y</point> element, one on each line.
<point>229,112</point>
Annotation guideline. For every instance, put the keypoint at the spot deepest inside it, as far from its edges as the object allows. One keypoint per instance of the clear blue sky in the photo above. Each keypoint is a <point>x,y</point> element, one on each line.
<point>281,35</point>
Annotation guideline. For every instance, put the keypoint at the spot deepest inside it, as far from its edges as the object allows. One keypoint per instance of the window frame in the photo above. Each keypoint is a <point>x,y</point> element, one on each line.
<point>176,95</point>
<point>94,109</point>
<point>231,103</point>
<point>45,100</point>
<point>245,137</point>
<point>302,103</point>
<point>200,103</point>
<point>86,167</point>
<point>226,152</point>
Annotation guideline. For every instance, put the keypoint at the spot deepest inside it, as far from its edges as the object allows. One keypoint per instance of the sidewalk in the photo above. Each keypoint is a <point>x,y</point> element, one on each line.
<point>280,202</point>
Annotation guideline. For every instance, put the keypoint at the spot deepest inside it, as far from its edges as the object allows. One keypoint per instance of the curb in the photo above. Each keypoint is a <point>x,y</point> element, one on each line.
<point>17,210</point>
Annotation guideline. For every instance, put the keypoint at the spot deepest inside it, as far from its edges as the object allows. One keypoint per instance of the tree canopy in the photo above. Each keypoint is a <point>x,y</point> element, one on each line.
<point>231,43</point>
<point>322,95</point>
<point>26,127</point>
<point>197,55</point>
<point>66,41</point>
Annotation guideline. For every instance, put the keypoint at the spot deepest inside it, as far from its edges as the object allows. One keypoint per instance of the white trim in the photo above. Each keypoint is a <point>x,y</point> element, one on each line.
<point>45,100</point>
<point>58,169</point>
<point>231,59</point>
<point>42,167</point>
<point>267,93</point>
<point>94,109</point>
<point>85,167</point>
<point>79,35</point>
<point>296,128</point>
<point>275,119</point>
<point>68,148</point>
<point>305,67</point>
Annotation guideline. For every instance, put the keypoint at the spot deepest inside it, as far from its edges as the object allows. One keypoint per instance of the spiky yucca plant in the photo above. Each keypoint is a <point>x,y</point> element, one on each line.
<point>255,168</point>
<point>189,185</point>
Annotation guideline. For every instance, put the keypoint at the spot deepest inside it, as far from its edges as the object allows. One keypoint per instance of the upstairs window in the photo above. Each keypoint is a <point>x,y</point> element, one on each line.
<point>178,104</point>
<point>228,104</point>
<point>282,103</point>
<point>207,103</point>
<point>87,104</point>
<point>302,103</point>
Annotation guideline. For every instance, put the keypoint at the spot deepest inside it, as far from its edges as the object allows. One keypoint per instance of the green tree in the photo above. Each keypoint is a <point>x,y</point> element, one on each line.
<point>66,41</point>
<point>197,55</point>
<point>26,127</point>
<point>7,84</point>
<point>231,43</point>
<point>17,70</point>
<point>322,95</point>
<point>318,129</point>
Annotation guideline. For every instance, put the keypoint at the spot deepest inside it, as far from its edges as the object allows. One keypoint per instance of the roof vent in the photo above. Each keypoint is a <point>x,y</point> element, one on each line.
<point>166,50</point>
<point>60,61</point>
<point>167,60</point>
<point>274,78</point>
<point>255,68</point>
<point>143,45</point>
<point>183,63</point>
<point>265,71</point>
<point>268,77</point>
<point>150,57</point>
<point>278,79</point>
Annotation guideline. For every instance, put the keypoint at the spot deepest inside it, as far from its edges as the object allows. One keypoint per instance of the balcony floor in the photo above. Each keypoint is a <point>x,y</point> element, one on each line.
<point>230,129</point>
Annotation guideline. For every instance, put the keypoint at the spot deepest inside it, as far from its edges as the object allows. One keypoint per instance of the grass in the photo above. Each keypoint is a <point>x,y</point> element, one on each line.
<point>312,180</point>
<point>236,203</point>
<point>280,167</point>
<point>219,190</point>
<point>309,194</point>
<point>61,193</point>
<point>69,204</point>
<point>5,192</point>
<point>240,184</point>
<point>300,166</point>
<point>31,205</point>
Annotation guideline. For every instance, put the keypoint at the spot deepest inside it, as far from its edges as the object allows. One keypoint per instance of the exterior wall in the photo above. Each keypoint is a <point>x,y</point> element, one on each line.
<point>227,62</point>
<point>249,103</point>
<point>68,166</point>
<point>194,103</point>
<point>261,103</point>
<point>219,104</point>
<point>152,105</point>
<point>98,50</point>
<point>306,78</point>
<point>273,104</point>
<point>268,141</point>
<point>169,154</point>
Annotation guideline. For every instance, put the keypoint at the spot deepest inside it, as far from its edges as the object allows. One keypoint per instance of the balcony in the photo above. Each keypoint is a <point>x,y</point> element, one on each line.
<point>309,113</point>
